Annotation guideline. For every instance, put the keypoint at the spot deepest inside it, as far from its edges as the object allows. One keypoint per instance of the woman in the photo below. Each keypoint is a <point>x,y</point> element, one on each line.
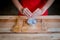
<point>31,7</point>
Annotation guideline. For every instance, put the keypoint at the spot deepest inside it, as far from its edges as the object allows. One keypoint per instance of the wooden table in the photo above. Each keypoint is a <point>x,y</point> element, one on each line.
<point>50,29</point>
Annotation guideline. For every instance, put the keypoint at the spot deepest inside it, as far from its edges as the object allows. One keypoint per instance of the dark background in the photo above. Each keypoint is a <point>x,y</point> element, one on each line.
<point>7,8</point>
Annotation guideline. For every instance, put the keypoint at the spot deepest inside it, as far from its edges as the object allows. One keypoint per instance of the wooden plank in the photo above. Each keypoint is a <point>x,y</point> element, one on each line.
<point>54,36</point>
<point>43,25</point>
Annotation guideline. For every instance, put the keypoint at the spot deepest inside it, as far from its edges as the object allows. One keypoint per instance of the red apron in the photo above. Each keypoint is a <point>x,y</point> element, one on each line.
<point>32,5</point>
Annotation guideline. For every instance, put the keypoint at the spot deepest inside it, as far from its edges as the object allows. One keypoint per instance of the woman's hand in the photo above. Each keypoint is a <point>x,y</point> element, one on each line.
<point>27,12</point>
<point>37,12</point>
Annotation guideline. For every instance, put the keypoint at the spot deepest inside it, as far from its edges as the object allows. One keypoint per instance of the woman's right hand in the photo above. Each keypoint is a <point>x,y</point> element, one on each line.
<point>27,12</point>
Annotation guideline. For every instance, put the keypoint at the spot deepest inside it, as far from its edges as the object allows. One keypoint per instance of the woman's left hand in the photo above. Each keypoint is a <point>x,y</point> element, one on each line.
<point>37,12</point>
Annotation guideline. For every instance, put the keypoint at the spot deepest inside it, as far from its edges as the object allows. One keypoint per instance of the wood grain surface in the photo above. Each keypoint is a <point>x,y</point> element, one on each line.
<point>44,24</point>
<point>47,28</point>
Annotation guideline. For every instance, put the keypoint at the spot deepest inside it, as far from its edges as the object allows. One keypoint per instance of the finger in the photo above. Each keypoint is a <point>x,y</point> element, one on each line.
<point>37,12</point>
<point>29,12</point>
<point>26,13</point>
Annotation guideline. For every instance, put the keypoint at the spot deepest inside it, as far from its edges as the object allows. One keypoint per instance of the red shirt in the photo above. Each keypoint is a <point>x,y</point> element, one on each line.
<point>32,5</point>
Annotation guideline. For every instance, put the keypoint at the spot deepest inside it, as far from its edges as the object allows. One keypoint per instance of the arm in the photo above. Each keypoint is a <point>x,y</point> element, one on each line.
<point>24,11</point>
<point>40,11</point>
<point>47,5</point>
<point>18,5</point>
